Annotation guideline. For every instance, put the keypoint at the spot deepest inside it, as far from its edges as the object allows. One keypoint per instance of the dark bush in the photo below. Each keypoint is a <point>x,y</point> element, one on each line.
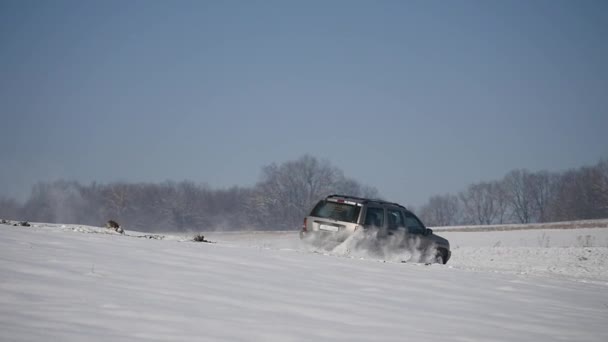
<point>200,238</point>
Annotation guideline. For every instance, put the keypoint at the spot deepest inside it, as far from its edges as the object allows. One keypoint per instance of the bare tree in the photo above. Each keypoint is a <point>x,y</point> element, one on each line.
<point>593,180</point>
<point>351,187</point>
<point>601,186</point>
<point>480,203</point>
<point>519,191</point>
<point>580,194</point>
<point>117,199</point>
<point>568,197</point>
<point>288,191</point>
<point>186,208</point>
<point>441,210</point>
<point>542,191</point>
<point>148,211</point>
<point>501,198</point>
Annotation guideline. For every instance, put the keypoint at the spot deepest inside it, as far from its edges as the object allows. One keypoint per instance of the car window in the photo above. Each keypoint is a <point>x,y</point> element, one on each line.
<point>395,218</point>
<point>337,211</point>
<point>414,225</point>
<point>374,217</point>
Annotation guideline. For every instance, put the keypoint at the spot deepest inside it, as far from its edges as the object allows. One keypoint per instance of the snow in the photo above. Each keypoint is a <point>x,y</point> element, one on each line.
<point>75,283</point>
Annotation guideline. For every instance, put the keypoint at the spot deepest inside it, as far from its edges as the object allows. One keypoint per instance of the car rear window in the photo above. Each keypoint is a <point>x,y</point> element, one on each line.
<point>337,211</point>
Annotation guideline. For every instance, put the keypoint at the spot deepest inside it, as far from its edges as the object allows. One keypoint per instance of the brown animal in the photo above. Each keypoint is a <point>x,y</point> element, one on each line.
<point>112,224</point>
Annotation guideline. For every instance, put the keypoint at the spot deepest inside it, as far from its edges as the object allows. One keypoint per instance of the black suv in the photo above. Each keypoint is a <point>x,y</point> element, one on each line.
<point>341,215</point>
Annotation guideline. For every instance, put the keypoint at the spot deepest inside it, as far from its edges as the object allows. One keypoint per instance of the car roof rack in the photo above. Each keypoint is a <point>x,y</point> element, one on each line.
<point>367,200</point>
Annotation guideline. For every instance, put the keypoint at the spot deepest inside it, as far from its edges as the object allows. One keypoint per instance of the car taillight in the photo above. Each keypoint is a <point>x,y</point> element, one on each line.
<point>304,226</point>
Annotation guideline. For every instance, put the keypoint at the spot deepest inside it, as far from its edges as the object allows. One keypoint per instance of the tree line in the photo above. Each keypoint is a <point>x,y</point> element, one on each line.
<point>286,192</point>
<point>525,197</point>
<point>279,201</point>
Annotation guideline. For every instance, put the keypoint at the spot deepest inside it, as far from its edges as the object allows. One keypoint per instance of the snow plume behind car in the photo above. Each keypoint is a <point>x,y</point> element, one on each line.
<point>399,246</point>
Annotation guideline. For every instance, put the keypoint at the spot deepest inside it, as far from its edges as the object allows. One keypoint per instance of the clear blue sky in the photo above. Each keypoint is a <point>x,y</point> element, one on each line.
<point>413,97</point>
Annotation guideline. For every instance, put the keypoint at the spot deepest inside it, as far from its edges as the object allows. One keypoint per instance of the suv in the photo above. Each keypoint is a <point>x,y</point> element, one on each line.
<point>341,215</point>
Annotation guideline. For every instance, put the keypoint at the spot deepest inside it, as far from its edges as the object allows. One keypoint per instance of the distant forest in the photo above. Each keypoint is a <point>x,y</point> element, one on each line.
<point>279,201</point>
<point>525,197</point>
<point>287,192</point>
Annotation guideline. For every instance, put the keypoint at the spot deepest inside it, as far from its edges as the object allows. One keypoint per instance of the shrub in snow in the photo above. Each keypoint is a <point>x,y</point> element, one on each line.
<point>200,238</point>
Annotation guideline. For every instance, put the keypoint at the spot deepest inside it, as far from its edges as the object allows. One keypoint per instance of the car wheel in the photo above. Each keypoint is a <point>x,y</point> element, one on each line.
<point>440,257</point>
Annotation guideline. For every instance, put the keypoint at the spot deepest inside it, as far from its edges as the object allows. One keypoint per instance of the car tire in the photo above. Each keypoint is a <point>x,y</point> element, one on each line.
<point>440,257</point>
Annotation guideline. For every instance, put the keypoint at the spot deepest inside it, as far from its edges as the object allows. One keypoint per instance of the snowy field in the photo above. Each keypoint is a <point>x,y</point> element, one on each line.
<point>80,283</point>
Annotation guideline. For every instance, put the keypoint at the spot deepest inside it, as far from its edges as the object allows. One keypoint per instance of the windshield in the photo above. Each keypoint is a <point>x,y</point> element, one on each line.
<point>337,211</point>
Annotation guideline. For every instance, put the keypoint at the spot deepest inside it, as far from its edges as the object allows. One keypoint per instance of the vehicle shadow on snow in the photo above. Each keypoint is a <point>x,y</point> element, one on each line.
<point>374,244</point>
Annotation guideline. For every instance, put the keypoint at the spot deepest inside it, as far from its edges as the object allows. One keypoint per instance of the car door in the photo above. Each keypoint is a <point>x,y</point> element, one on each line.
<point>416,229</point>
<point>374,217</point>
<point>395,221</point>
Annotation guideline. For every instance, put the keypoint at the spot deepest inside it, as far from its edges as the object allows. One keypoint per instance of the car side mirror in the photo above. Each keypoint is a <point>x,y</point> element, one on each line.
<point>428,231</point>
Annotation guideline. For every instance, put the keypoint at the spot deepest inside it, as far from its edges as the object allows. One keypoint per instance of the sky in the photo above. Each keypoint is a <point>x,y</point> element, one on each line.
<point>415,98</point>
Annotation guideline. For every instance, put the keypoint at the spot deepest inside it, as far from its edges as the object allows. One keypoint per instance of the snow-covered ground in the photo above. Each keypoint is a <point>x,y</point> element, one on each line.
<point>78,283</point>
